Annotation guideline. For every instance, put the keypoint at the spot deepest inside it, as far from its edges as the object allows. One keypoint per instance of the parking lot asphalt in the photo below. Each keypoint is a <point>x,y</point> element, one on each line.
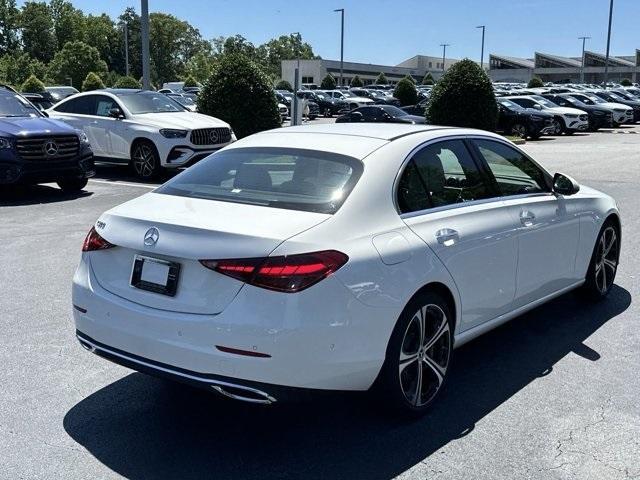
<point>553,394</point>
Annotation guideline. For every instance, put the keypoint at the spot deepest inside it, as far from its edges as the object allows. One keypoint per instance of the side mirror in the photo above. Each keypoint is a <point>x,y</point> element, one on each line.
<point>45,113</point>
<point>116,113</point>
<point>356,117</point>
<point>565,185</point>
<point>537,107</point>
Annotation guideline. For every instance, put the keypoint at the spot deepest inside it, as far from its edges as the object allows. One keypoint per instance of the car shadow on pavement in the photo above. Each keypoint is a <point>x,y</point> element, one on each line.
<point>141,427</point>
<point>16,196</point>
<point>123,173</point>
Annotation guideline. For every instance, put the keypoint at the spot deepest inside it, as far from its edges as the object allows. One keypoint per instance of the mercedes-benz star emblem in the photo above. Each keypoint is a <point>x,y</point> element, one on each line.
<point>51,148</point>
<point>213,136</point>
<point>151,237</point>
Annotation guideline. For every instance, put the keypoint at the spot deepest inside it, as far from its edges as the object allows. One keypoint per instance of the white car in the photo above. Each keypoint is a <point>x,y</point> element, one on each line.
<point>350,98</point>
<point>337,257</point>
<point>146,129</point>
<point>621,113</point>
<point>565,119</point>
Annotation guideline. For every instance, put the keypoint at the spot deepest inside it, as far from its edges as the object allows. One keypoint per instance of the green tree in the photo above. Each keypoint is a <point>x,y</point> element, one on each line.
<point>328,82</point>
<point>32,85</point>
<point>625,82</point>
<point>357,82</point>
<point>428,79</point>
<point>92,82</point>
<point>200,66</point>
<point>410,78</point>
<point>16,67</point>
<point>284,85</point>
<point>463,98</point>
<point>190,82</point>
<point>9,25</point>
<point>240,93</point>
<point>172,43</point>
<point>535,82</point>
<point>406,92</point>
<point>101,32</point>
<point>68,22</point>
<point>132,21</point>
<point>382,79</point>
<point>38,34</point>
<point>75,61</point>
<point>127,82</point>
<point>285,47</point>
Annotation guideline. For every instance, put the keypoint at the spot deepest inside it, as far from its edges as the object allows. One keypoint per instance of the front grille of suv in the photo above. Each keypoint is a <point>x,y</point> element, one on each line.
<point>58,147</point>
<point>210,136</point>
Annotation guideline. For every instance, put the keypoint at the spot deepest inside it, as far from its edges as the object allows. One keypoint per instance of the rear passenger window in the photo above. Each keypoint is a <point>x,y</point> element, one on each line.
<point>438,175</point>
<point>81,105</point>
<point>515,174</point>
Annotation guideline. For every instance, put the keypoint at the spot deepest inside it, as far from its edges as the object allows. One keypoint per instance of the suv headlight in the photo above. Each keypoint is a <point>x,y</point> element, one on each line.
<point>5,143</point>
<point>173,133</point>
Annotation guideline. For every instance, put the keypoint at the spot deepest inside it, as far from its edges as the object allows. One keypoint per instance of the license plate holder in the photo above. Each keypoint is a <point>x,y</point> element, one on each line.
<point>155,275</point>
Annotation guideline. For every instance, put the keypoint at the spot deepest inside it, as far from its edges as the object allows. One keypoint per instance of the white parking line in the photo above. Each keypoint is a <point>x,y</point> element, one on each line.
<point>126,184</point>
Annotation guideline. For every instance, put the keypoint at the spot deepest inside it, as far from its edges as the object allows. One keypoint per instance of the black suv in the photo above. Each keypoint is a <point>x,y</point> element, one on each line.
<point>598,117</point>
<point>36,149</point>
<point>522,122</point>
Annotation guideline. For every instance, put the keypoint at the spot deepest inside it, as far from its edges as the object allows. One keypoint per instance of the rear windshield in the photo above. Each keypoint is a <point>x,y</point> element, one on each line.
<point>293,179</point>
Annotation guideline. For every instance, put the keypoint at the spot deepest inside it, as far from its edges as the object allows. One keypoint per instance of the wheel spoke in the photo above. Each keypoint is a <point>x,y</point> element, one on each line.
<point>438,370</point>
<point>611,243</point>
<point>409,360</point>
<point>416,400</point>
<point>442,329</point>
<point>610,263</point>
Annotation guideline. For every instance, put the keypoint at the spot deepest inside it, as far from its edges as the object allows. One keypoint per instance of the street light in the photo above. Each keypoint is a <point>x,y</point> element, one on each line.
<point>482,49</point>
<point>606,63</point>
<point>584,39</point>
<point>144,24</point>
<point>341,10</point>
<point>444,53</point>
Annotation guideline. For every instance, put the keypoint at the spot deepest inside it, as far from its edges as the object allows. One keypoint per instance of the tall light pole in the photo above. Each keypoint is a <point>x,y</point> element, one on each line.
<point>341,10</point>
<point>482,49</point>
<point>606,63</point>
<point>125,28</point>
<point>144,24</point>
<point>584,39</point>
<point>444,53</point>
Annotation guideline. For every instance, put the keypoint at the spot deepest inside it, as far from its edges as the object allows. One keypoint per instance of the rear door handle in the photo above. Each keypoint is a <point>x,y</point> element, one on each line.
<point>527,218</point>
<point>447,237</point>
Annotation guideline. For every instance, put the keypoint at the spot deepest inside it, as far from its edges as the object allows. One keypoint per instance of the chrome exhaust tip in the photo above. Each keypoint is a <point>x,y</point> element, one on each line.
<point>244,394</point>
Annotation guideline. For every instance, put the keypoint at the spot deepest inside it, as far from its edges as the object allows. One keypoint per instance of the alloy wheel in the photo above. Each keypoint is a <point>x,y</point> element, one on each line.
<point>424,355</point>
<point>557,127</point>
<point>606,260</point>
<point>519,130</point>
<point>144,160</point>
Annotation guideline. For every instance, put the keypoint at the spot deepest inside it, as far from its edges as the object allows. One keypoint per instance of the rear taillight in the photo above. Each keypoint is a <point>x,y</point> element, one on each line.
<point>290,273</point>
<point>95,242</point>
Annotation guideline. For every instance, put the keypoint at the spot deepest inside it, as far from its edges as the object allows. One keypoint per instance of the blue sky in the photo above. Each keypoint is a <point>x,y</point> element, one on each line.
<point>388,31</point>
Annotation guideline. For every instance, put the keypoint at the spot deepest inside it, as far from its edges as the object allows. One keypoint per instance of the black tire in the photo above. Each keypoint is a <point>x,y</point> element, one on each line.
<point>518,130</point>
<point>395,386</point>
<point>72,185</point>
<point>536,136</point>
<point>327,113</point>
<point>604,262</point>
<point>145,160</point>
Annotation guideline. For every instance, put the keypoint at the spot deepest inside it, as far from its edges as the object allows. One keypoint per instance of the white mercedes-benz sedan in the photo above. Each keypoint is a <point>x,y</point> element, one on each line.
<point>337,257</point>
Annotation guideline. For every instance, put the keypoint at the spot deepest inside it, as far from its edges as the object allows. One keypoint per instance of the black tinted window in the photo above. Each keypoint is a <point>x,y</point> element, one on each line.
<point>81,105</point>
<point>515,174</point>
<point>103,105</point>
<point>438,175</point>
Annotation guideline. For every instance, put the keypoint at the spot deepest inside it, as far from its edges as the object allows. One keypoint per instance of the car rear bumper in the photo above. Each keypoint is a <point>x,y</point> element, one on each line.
<point>304,341</point>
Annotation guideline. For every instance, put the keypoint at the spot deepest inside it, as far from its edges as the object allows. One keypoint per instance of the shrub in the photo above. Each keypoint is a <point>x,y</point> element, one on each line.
<point>406,92</point>
<point>190,82</point>
<point>240,93</point>
<point>127,82</point>
<point>428,79</point>
<point>32,85</point>
<point>328,82</point>
<point>284,85</point>
<point>410,78</point>
<point>535,82</point>
<point>463,98</point>
<point>625,82</point>
<point>357,82</point>
<point>382,79</point>
<point>92,82</point>
<point>75,61</point>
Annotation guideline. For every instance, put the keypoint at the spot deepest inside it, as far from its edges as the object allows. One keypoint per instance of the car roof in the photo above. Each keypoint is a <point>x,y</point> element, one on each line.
<point>354,140</point>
